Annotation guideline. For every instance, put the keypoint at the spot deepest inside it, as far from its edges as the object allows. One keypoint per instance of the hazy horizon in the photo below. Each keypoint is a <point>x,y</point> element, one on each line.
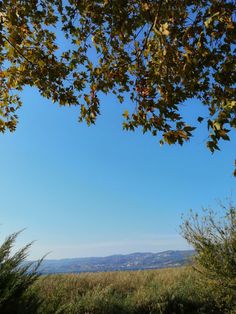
<point>104,249</point>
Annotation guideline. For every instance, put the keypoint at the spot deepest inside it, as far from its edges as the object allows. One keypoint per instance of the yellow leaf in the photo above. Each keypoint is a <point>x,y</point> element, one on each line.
<point>164,29</point>
<point>126,114</point>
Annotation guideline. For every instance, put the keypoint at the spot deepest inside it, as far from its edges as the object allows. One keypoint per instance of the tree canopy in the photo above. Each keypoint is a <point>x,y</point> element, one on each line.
<point>160,53</point>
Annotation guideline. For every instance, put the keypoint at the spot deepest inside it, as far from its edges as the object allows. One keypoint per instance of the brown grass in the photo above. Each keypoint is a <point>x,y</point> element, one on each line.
<point>176,290</point>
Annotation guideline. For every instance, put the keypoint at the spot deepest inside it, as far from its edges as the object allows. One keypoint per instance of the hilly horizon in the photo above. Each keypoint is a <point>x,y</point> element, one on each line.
<point>132,261</point>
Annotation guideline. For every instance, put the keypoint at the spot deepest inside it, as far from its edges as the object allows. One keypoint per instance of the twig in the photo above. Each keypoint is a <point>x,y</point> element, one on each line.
<point>149,32</point>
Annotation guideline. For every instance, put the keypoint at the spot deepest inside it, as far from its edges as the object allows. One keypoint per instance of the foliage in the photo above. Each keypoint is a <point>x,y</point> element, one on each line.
<point>161,53</point>
<point>16,277</point>
<point>164,291</point>
<point>215,243</point>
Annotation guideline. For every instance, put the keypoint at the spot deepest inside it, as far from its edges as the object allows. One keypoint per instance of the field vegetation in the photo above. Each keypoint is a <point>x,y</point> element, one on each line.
<point>208,285</point>
<point>176,290</point>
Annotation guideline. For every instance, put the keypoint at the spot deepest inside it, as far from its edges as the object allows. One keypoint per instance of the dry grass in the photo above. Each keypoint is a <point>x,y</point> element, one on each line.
<point>171,291</point>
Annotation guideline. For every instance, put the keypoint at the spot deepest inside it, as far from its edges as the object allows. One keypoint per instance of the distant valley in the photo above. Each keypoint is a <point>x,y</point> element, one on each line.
<point>134,261</point>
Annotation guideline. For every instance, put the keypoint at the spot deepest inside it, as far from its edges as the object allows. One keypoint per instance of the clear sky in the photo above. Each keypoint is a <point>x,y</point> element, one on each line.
<point>96,191</point>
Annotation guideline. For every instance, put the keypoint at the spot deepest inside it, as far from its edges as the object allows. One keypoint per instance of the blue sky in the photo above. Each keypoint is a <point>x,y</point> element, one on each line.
<point>95,191</point>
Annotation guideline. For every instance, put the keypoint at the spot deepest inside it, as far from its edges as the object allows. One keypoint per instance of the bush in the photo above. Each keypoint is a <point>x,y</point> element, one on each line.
<point>214,240</point>
<point>16,276</point>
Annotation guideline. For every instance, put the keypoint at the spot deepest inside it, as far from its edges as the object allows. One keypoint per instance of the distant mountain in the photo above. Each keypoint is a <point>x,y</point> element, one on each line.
<point>134,261</point>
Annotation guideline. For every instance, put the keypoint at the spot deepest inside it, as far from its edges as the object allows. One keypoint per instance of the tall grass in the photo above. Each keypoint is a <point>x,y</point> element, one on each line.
<point>156,291</point>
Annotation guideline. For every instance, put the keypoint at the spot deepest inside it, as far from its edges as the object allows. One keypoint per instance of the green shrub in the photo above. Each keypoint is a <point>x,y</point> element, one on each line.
<point>214,240</point>
<point>16,277</point>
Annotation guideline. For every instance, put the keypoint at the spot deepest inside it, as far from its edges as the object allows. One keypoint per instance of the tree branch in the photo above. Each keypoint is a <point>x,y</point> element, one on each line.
<point>149,31</point>
<point>18,51</point>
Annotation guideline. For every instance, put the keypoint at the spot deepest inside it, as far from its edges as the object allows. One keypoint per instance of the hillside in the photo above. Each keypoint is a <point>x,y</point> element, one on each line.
<point>134,261</point>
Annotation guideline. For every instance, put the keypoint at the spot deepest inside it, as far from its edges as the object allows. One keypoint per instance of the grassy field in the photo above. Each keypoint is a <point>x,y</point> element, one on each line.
<point>155,291</point>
